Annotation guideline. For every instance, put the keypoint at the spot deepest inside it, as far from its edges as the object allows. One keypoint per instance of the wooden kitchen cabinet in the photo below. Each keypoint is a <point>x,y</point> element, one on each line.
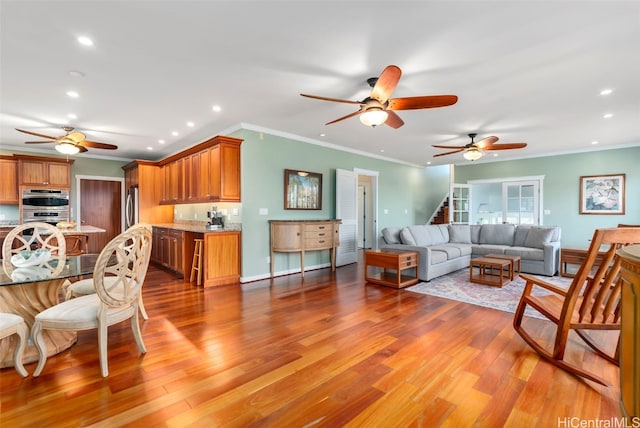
<point>47,172</point>
<point>9,181</point>
<point>222,252</point>
<point>167,249</point>
<point>146,176</point>
<point>292,236</point>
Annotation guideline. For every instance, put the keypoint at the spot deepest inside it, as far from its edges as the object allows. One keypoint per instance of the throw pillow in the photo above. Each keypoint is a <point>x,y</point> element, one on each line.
<point>460,233</point>
<point>391,235</point>
<point>407,237</point>
<point>537,237</point>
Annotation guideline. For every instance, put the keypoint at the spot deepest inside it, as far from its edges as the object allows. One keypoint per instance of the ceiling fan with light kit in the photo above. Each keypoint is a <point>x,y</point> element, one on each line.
<point>379,108</point>
<point>71,143</point>
<point>475,150</point>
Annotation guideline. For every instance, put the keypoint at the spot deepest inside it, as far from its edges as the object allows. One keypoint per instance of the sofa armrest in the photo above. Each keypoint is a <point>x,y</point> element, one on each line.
<point>551,257</point>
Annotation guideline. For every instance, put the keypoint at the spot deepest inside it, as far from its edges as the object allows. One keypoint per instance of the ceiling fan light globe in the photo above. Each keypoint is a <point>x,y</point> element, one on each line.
<point>374,117</point>
<point>67,148</point>
<point>473,154</point>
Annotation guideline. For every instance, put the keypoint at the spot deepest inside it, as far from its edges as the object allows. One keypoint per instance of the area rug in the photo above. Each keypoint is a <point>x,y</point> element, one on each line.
<point>456,286</point>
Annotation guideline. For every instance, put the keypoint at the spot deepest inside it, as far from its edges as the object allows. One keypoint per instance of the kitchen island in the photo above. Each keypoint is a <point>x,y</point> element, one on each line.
<point>173,246</point>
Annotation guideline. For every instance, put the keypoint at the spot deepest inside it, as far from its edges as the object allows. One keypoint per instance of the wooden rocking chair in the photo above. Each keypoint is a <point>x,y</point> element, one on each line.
<point>592,301</point>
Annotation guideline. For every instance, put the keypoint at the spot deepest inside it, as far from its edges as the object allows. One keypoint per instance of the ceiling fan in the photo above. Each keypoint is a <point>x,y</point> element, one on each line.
<point>378,108</point>
<point>70,143</point>
<point>475,150</point>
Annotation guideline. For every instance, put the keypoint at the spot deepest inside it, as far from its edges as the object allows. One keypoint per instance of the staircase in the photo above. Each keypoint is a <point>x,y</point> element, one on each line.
<point>442,216</point>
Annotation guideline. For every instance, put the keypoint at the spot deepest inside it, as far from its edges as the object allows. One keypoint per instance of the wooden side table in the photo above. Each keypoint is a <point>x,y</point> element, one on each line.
<point>390,259</point>
<point>574,256</point>
<point>486,268</point>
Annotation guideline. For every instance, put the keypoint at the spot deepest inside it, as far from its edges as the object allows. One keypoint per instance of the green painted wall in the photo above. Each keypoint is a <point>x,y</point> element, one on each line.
<point>562,187</point>
<point>264,159</point>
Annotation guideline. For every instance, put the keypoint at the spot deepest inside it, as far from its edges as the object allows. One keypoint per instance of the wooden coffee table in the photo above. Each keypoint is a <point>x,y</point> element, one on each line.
<point>514,267</point>
<point>490,271</point>
<point>393,263</point>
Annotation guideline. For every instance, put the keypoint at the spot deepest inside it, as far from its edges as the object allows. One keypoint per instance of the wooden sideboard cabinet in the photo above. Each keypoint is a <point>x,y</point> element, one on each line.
<point>630,333</point>
<point>291,236</point>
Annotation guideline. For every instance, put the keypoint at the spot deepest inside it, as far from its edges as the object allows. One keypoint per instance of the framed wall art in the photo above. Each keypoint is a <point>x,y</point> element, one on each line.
<point>602,194</point>
<point>302,190</point>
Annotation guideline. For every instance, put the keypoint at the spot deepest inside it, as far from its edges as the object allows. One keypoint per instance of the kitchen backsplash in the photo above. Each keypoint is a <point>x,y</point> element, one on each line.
<point>232,211</point>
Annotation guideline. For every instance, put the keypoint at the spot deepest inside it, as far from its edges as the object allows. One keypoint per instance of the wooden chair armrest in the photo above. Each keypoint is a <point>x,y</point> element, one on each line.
<point>532,280</point>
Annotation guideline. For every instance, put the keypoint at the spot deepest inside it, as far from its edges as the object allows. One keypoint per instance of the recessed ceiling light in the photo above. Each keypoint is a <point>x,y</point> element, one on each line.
<point>190,124</point>
<point>83,40</point>
<point>76,73</point>
<point>175,133</point>
<point>149,148</point>
<point>606,91</point>
<point>495,155</point>
<point>216,108</point>
<point>381,151</point>
<point>161,141</point>
<point>428,163</point>
<point>595,142</point>
<point>73,94</point>
<point>72,116</point>
<point>323,135</point>
<point>607,115</point>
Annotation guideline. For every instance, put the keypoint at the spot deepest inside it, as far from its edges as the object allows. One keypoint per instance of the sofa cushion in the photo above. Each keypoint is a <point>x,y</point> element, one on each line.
<point>407,237</point>
<point>526,253</point>
<point>538,236</point>
<point>481,250</point>
<point>497,234</point>
<point>438,257</point>
<point>451,251</point>
<point>475,233</point>
<point>391,235</point>
<point>460,233</point>
<point>521,235</point>
<point>426,235</point>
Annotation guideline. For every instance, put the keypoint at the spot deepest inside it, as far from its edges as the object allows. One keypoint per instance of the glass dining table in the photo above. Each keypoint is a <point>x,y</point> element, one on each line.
<point>27,291</point>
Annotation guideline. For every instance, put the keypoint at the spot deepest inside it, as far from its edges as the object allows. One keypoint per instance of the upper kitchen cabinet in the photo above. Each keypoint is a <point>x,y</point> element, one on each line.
<point>9,182</point>
<point>146,176</point>
<point>44,172</point>
<point>207,172</point>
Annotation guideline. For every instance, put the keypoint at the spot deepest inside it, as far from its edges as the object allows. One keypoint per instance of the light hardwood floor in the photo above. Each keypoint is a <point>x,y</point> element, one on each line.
<point>327,351</point>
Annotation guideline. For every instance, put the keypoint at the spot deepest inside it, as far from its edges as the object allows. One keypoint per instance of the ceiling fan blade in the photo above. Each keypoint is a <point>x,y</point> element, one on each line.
<point>506,146</point>
<point>36,134</point>
<point>449,153</point>
<point>82,149</point>
<point>386,83</point>
<point>76,137</point>
<point>426,101</point>
<point>336,100</point>
<point>486,142</point>
<point>447,147</point>
<point>355,113</point>
<point>393,120</point>
<point>39,142</point>
<point>96,145</point>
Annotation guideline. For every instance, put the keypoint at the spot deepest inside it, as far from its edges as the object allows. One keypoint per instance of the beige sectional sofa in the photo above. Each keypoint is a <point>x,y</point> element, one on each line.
<point>446,248</point>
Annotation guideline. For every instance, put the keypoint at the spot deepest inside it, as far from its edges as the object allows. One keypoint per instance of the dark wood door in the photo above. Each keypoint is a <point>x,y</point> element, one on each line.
<point>101,206</point>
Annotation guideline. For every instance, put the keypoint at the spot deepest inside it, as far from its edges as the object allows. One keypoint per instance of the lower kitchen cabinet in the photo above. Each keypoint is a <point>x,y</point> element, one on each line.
<point>168,249</point>
<point>222,254</point>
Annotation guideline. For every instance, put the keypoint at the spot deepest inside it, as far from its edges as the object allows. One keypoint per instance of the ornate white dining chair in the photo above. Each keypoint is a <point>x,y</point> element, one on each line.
<point>11,324</point>
<point>118,276</point>
<point>43,236</point>
<point>85,286</point>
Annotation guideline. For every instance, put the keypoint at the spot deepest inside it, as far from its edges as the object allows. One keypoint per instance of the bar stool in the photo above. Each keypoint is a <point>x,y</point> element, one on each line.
<point>197,261</point>
<point>77,243</point>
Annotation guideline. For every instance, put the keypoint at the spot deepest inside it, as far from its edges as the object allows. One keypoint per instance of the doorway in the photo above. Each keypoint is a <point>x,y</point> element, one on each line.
<point>100,206</point>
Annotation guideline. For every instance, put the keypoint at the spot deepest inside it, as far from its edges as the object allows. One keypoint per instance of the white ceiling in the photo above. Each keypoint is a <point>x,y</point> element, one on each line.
<point>525,71</point>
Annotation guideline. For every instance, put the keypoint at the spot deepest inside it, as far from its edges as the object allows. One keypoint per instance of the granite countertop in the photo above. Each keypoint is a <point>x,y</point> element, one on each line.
<point>200,227</point>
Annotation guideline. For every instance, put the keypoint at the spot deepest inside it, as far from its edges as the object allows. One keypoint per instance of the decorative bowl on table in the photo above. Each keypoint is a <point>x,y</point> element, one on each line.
<point>28,258</point>
<point>33,273</point>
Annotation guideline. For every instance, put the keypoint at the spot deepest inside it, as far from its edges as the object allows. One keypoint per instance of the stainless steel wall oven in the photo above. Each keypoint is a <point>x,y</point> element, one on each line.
<point>47,205</point>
